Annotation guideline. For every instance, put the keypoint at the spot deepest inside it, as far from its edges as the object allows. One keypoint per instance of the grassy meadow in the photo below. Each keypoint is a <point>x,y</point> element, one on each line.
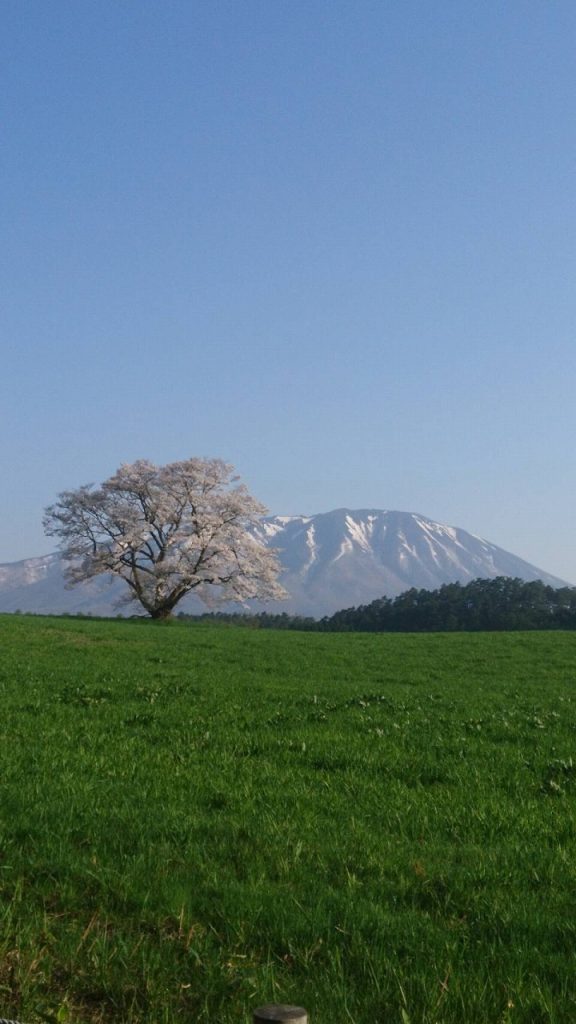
<point>195,821</point>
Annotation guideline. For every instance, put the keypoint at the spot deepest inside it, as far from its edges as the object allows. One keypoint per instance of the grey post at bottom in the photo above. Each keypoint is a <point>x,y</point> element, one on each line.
<point>279,1013</point>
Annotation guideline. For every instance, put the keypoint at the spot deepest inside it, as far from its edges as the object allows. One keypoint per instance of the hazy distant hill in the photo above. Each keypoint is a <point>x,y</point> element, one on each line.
<point>330,561</point>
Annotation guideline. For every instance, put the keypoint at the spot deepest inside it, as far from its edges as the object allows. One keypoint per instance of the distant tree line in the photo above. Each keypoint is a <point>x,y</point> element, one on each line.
<point>259,620</point>
<point>503,603</point>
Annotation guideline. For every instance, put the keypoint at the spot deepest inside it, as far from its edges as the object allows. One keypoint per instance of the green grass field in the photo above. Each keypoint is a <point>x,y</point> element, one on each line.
<point>195,821</point>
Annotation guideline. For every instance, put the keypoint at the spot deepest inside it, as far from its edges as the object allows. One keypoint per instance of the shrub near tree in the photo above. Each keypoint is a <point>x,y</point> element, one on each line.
<point>167,531</point>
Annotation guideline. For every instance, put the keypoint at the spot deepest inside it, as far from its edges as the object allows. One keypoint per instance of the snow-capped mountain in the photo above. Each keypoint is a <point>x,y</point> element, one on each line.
<point>342,558</point>
<point>330,561</point>
<point>37,585</point>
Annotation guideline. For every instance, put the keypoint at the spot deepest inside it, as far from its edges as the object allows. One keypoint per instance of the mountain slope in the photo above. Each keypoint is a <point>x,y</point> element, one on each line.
<point>330,561</point>
<point>37,585</point>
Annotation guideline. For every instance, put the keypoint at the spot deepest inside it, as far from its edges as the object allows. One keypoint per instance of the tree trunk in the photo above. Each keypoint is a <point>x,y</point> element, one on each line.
<point>161,614</point>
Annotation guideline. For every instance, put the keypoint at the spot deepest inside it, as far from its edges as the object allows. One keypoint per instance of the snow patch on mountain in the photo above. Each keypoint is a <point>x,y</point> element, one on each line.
<point>311,545</point>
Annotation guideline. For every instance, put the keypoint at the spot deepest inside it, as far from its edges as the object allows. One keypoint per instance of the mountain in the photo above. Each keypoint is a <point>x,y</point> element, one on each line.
<point>330,561</point>
<point>343,558</point>
<point>37,585</point>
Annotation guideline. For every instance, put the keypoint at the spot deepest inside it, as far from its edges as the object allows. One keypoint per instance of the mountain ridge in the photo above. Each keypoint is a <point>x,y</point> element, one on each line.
<point>330,560</point>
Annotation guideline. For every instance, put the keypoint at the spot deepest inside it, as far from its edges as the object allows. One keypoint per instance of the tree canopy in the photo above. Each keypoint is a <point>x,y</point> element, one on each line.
<point>167,531</point>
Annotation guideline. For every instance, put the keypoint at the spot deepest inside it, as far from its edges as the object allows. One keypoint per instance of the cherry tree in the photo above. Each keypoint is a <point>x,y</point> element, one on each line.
<point>167,531</point>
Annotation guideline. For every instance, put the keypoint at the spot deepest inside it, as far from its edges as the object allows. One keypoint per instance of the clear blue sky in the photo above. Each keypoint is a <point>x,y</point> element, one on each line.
<point>331,242</point>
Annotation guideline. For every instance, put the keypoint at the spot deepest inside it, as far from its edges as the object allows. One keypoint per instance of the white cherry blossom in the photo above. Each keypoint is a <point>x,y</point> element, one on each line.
<point>167,530</point>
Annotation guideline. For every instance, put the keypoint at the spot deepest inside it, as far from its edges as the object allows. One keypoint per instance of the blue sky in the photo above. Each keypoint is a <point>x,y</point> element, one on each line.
<point>333,243</point>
